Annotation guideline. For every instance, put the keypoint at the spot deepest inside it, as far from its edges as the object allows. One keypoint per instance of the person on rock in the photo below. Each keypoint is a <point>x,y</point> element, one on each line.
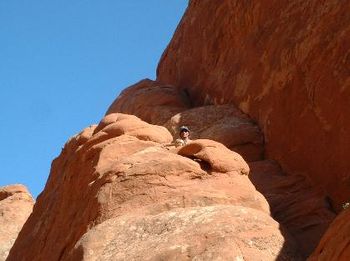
<point>184,133</point>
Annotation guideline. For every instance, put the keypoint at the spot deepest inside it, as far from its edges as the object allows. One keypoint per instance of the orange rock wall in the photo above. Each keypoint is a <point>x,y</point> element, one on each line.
<point>335,243</point>
<point>118,190</point>
<point>286,64</point>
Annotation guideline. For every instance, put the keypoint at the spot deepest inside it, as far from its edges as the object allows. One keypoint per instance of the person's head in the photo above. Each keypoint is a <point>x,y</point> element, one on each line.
<point>184,132</point>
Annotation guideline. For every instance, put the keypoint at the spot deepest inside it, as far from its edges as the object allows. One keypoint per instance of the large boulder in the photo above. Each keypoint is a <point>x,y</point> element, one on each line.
<point>117,191</point>
<point>286,64</point>
<point>151,101</point>
<point>216,155</point>
<point>16,204</point>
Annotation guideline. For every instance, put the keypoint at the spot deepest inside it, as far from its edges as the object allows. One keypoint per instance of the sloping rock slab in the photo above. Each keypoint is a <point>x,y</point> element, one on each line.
<point>200,233</point>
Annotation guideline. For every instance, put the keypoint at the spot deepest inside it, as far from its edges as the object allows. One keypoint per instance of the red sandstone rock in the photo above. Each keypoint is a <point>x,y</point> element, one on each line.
<point>160,104</point>
<point>117,124</point>
<point>286,64</point>
<point>222,123</point>
<point>15,206</point>
<point>118,175</point>
<point>219,158</point>
<point>200,233</point>
<point>335,244</point>
<point>299,207</point>
<point>120,194</point>
<point>151,101</point>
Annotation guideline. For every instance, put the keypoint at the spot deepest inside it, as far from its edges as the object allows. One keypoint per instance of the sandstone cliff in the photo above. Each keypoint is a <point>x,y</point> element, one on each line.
<point>302,209</point>
<point>259,84</point>
<point>284,63</point>
<point>16,204</point>
<point>117,190</point>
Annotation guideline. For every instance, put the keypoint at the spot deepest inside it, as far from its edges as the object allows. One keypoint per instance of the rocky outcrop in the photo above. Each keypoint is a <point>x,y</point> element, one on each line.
<point>161,104</point>
<point>15,206</point>
<point>151,101</point>
<point>335,244</point>
<point>222,123</point>
<point>118,190</point>
<point>302,209</point>
<point>294,203</point>
<point>199,233</point>
<point>286,64</point>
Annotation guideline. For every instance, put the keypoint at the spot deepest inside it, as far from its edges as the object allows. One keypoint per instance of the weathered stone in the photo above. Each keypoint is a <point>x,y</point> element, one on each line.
<point>16,204</point>
<point>151,101</point>
<point>286,64</point>
<point>199,233</point>
<point>223,123</point>
<point>216,155</point>
<point>302,209</point>
<point>335,244</point>
<point>110,178</point>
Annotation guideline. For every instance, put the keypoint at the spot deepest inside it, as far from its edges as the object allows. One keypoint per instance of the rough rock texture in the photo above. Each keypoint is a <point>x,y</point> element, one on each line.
<point>294,203</point>
<point>286,64</point>
<point>151,101</point>
<point>217,156</point>
<point>303,210</point>
<point>120,192</point>
<point>223,123</point>
<point>16,204</point>
<point>200,233</point>
<point>335,244</point>
<point>117,191</point>
<point>164,105</point>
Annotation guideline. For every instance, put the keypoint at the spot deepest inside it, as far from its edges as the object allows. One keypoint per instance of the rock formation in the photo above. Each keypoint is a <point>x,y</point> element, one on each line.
<point>257,182</point>
<point>16,204</point>
<point>302,209</point>
<point>293,202</point>
<point>335,244</point>
<point>151,101</point>
<point>284,63</point>
<point>117,191</point>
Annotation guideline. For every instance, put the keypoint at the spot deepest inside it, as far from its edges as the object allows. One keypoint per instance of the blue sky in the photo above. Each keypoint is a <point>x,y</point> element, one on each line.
<point>62,63</point>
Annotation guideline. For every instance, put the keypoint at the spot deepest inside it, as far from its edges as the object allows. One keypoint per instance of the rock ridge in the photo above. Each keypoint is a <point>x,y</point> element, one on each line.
<point>118,182</point>
<point>286,65</point>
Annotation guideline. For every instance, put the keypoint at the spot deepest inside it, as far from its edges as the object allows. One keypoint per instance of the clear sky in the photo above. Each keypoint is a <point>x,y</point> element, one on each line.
<point>62,63</point>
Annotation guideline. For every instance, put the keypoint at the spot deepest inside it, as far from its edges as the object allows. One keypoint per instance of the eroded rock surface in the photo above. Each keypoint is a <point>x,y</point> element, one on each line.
<point>162,104</point>
<point>286,64</point>
<point>199,233</point>
<point>335,244</point>
<point>118,191</point>
<point>151,101</point>
<point>16,204</point>
<point>223,123</point>
<point>301,208</point>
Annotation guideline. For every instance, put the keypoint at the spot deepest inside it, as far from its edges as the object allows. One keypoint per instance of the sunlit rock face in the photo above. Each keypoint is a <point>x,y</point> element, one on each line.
<point>254,82</point>
<point>294,202</point>
<point>151,101</point>
<point>117,190</point>
<point>286,64</point>
<point>16,204</point>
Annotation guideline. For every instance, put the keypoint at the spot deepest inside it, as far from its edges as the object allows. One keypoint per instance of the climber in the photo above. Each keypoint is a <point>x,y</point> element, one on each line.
<point>184,133</point>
